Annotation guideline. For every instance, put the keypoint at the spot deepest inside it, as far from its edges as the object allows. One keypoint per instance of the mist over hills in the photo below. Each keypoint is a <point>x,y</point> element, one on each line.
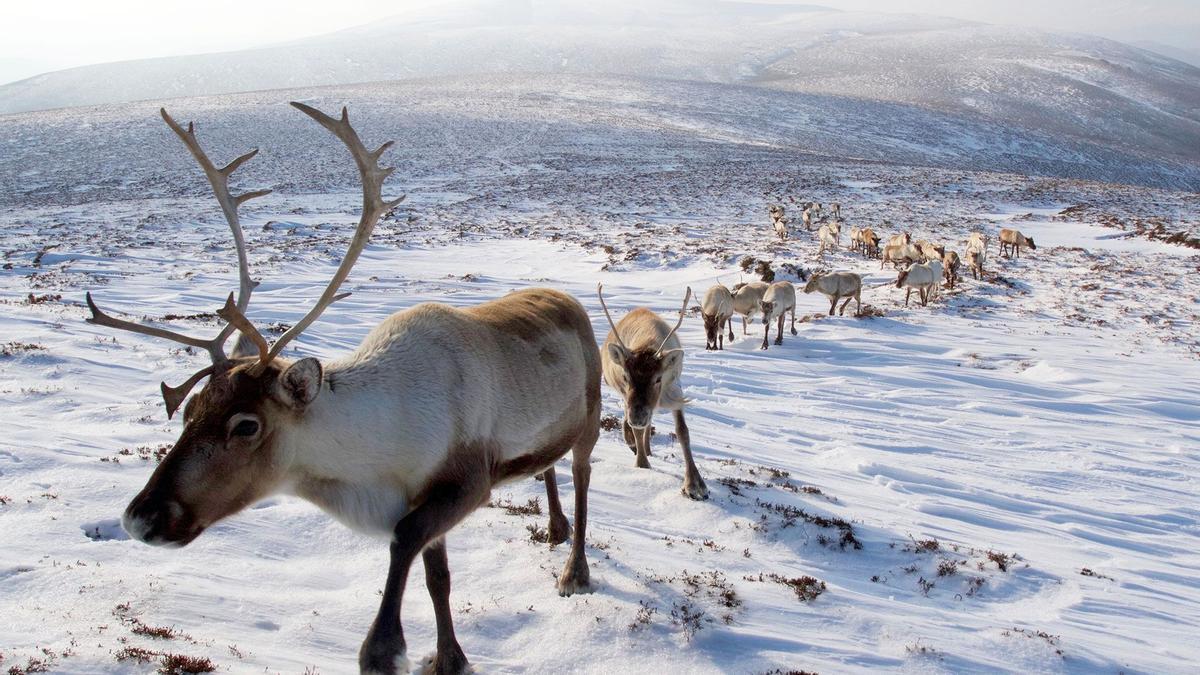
<point>1048,89</point>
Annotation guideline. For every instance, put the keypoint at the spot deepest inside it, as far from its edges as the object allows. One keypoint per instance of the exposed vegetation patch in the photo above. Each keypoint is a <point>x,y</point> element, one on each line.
<point>805,587</point>
<point>532,507</point>
<point>11,349</point>
<point>1053,641</point>
<point>789,515</point>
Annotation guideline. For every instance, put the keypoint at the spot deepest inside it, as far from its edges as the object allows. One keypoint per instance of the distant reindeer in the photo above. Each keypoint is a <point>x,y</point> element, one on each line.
<point>778,222</point>
<point>746,299</point>
<point>717,312</point>
<point>406,436</point>
<point>807,217</point>
<point>869,242</point>
<point>835,286</point>
<point>643,360</point>
<point>836,210</point>
<point>950,264</point>
<point>925,277</point>
<point>976,254</point>
<point>1013,240</point>
<point>779,299</point>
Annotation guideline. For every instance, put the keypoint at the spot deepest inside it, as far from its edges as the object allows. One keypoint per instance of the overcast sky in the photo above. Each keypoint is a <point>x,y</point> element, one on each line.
<point>41,35</point>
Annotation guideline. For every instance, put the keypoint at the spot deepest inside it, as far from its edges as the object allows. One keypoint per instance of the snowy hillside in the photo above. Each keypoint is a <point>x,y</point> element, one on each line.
<point>1002,481</point>
<point>547,125</point>
<point>1071,88</point>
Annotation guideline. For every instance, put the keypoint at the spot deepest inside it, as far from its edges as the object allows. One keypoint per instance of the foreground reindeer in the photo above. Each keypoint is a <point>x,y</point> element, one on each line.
<point>407,435</point>
<point>642,360</point>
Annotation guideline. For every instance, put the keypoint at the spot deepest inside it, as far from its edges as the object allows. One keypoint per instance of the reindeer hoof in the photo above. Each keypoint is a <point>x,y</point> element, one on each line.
<point>574,579</point>
<point>696,490</point>
<point>446,662</point>
<point>642,463</point>
<point>795,332</point>
<point>778,340</point>
<point>559,531</point>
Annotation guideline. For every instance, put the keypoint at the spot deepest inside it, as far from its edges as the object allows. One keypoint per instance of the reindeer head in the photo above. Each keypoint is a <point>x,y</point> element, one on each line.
<point>228,455</point>
<point>1029,240</point>
<point>813,280</point>
<point>766,307</point>
<point>648,376</point>
<point>712,328</point>
<point>901,277</point>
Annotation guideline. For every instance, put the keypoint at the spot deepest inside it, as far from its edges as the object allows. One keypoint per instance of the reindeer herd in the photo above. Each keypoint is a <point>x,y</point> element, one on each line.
<point>926,265</point>
<point>409,433</point>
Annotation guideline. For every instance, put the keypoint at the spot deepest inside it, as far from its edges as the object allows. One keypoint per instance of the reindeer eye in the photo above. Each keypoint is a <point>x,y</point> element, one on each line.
<point>246,427</point>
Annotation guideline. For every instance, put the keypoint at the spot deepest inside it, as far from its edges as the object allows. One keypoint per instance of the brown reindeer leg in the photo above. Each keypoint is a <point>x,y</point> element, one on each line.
<point>794,331</point>
<point>693,484</point>
<point>779,332</point>
<point>575,577</point>
<point>842,311</point>
<point>907,293</point>
<point>744,331</point>
<point>642,436</point>
<point>766,331</point>
<point>559,528</point>
<point>447,502</point>
<point>729,325</point>
<point>450,657</point>
<point>630,438</point>
<point>832,304</point>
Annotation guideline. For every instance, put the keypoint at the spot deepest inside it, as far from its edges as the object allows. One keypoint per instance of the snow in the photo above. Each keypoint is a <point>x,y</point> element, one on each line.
<point>1045,418</point>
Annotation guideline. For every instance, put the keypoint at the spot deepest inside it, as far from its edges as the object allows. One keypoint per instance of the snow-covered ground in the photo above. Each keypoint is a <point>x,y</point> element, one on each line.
<point>1016,465</point>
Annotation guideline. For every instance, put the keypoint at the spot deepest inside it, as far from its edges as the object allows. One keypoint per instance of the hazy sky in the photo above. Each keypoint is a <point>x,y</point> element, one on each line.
<point>42,35</point>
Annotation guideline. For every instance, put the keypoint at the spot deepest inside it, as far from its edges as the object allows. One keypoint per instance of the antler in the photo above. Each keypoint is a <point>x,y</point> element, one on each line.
<point>616,333</point>
<point>687,296</point>
<point>219,180</point>
<point>374,207</point>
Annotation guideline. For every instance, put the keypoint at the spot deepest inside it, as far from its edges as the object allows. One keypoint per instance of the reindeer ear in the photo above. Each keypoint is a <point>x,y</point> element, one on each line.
<point>299,384</point>
<point>671,359</point>
<point>617,353</point>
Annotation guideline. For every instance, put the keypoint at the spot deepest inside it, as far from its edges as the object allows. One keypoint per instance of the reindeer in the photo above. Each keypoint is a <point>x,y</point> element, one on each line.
<point>778,222</point>
<point>779,299</point>
<point>870,243</point>
<point>1013,240</point>
<point>835,286</point>
<point>950,265</point>
<point>643,360</point>
<point>717,312</point>
<point>746,297</point>
<point>807,217</point>
<point>835,209</point>
<point>407,435</point>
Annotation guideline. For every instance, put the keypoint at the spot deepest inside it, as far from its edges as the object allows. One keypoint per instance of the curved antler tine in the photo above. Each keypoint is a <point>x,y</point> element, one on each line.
<point>616,333</point>
<point>175,396</point>
<point>218,179</point>
<point>374,208</point>
<point>101,319</point>
<point>682,311</point>
<point>239,321</point>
